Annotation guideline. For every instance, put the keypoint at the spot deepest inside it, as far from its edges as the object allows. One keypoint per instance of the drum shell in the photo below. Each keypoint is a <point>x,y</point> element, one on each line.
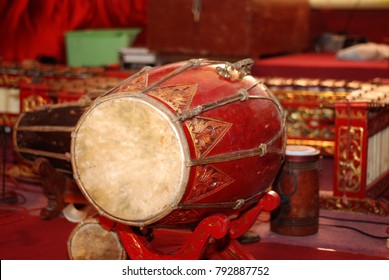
<point>46,132</point>
<point>215,187</point>
<point>252,122</point>
<point>298,186</point>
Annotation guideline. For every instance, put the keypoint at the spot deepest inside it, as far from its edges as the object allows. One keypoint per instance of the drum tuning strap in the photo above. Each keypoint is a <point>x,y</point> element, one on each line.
<point>132,77</point>
<point>237,204</point>
<point>241,95</point>
<point>262,150</point>
<point>191,63</point>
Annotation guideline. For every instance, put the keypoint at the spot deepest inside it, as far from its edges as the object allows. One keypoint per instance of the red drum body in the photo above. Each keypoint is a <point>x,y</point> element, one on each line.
<point>174,144</point>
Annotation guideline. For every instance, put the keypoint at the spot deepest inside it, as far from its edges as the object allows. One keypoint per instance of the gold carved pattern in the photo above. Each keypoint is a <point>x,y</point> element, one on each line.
<point>11,80</point>
<point>350,158</point>
<point>177,97</point>
<point>313,123</point>
<point>308,97</point>
<point>206,133</point>
<point>33,102</point>
<point>209,180</point>
<point>135,84</point>
<point>353,114</point>
<point>359,205</point>
<point>8,119</point>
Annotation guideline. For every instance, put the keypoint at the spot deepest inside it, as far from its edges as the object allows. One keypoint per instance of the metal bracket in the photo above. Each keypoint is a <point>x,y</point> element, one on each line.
<point>243,67</point>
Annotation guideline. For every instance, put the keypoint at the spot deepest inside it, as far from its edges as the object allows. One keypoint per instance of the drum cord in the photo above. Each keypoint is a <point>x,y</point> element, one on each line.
<point>356,229</point>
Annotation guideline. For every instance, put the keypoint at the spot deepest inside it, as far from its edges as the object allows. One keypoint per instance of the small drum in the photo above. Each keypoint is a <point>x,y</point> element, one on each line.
<point>298,187</point>
<point>90,241</point>
<point>174,144</point>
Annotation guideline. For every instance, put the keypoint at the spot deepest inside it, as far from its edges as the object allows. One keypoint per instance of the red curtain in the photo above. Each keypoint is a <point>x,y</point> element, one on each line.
<point>32,28</point>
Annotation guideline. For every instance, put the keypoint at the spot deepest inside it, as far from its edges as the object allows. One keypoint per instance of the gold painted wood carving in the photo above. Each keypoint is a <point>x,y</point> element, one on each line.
<point>136,84</point>
<point>181,216</point>
<point>350,158</point>
<point>353,114</point>
<point>209,180</point>
<point>177,97</point>
<point>33,102</point>
<point>206,133</point>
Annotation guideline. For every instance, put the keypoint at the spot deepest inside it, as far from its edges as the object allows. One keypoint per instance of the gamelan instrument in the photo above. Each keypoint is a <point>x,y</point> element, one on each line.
<point>46,133</point>
<point>362,149</point>
<point>298,186</point>
<point>41,138</point>
<point>193,145</point>
<point>309,108</point>
<point>177,143</point>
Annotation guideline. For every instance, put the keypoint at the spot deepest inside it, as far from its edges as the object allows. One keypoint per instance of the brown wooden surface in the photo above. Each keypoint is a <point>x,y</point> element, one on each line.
<point>228,27</point>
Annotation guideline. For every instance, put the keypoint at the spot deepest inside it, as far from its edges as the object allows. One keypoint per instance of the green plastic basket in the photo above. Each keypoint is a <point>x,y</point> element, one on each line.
<point>97,47</point>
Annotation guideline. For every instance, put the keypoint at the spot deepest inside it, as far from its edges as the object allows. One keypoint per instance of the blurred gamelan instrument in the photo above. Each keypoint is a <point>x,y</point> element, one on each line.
<point>362,143</point>
<point>309,107</point>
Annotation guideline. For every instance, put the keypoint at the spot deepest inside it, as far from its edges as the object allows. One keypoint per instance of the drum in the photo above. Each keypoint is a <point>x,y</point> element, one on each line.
<point>298,187</point>
<point>174,144</point>
<point>46,133</point>
<point>90,241</point>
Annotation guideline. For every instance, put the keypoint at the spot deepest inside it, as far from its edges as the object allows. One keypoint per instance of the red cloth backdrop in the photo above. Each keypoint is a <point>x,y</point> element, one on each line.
<point>32,28</point>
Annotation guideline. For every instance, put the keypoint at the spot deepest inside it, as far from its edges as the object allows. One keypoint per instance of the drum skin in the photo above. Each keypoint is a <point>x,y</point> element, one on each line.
<point>153,163</point>
<point>89,240</point>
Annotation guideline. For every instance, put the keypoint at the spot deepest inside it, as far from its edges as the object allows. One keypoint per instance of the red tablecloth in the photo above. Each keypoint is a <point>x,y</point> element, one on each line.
<point>319,65</point>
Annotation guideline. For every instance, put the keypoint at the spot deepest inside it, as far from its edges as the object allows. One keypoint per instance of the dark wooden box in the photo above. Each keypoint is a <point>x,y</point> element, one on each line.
<point>228,27</point>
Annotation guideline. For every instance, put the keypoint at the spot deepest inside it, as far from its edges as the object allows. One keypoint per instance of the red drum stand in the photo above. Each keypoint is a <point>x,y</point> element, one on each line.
<point>213,238</point>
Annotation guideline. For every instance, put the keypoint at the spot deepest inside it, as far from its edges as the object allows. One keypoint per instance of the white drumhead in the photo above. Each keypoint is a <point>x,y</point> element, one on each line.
<point>129,159</point>
<point>300,150</point>
<point>90,241</point>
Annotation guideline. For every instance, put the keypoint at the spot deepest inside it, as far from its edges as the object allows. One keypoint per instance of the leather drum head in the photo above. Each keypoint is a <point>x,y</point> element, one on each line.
<point>90,241</point>
<point>128,158</point>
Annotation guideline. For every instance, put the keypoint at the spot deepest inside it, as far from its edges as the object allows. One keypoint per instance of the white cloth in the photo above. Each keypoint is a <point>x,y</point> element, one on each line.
<point>363,52</point>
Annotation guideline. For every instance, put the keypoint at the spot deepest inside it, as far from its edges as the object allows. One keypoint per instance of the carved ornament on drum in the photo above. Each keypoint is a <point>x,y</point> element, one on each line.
<point>182,216</point>
<point>209,180</point>
<point>177,97</point>
<point>206,133</point>
<point>136,84</point>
